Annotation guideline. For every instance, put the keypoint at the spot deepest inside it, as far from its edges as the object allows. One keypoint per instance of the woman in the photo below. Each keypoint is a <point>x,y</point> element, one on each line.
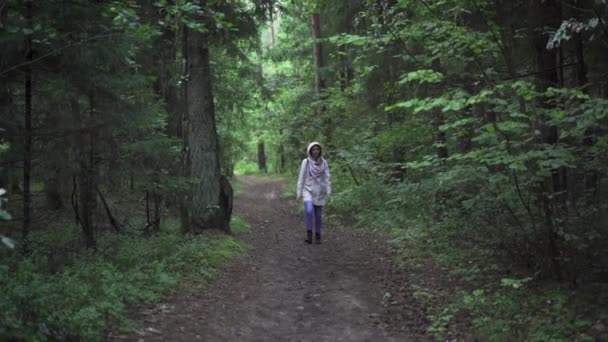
<point>314,184</point>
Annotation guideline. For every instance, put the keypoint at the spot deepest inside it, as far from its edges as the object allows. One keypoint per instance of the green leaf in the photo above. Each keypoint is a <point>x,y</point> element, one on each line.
<point>422,76</point>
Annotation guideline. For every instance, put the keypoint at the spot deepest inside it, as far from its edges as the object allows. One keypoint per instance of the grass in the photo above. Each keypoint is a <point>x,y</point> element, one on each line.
<point>238,225</point>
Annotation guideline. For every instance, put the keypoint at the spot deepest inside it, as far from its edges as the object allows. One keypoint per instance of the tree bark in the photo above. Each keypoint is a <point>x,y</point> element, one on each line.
<point>272,33</point>
<point>206,210</point>
<point>87,198</point>
<point>184,200</point>
<point>157,199</point>
<point>261,157</point>
<point>27,144</point>
<point>317,52</point>
<point>54,195</point>
<point>439,138</point>
<point>549,14</point>
<point>280,165</point>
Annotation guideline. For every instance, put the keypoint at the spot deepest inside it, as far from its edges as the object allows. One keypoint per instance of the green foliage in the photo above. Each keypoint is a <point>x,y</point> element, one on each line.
<point>500,314</point>
<point>500,308</point>
<point>81,295</point>
<point>246,168</point>
<point>422,76</point>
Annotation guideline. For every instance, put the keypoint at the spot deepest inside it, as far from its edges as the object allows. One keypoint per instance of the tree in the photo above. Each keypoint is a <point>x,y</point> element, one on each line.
<point>207,208</point>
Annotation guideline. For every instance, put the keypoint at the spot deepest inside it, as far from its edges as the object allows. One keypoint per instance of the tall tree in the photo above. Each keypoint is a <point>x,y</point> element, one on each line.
<point>27,134</point>
<point>207,210</point>
<point>549,14</point>
<point>317,51</point>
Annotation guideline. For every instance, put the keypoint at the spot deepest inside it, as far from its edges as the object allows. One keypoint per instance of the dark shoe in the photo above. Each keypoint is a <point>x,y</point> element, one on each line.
<point>308,237</point>
<point>317,238</point>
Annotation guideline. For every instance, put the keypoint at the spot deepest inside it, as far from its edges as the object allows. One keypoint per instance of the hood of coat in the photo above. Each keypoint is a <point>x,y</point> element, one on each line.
<point>310,146</point>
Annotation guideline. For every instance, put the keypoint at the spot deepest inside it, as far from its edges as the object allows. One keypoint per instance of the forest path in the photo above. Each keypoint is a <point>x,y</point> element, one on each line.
<point>285,290</point>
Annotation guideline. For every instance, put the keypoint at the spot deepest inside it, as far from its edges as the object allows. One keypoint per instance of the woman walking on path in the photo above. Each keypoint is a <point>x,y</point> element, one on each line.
<point>314,185</point>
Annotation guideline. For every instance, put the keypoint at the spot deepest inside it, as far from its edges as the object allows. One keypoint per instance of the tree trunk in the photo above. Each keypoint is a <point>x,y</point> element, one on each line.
<point>59,153</point>
<point>27,144</point>
<point>86,194</point>
<point>327,122</point>
<point>54,195</point>
<point>581,67</point>
<point>115,174</point>
<point>6,108</point>
<point>206,209</point>
<point>345,72</point>
<point>261,157</point>
<point>317,52</point>
<point>549,14</point>
<point>272,33</point>
<point>184,199</point>
<point>157,199</point>
<point>280,165</point>
<point>87,184</point>
<point>439,138</point>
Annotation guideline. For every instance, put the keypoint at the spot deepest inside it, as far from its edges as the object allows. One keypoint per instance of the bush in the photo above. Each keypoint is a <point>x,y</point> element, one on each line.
<point>94,289</point>
<point>500,299</point>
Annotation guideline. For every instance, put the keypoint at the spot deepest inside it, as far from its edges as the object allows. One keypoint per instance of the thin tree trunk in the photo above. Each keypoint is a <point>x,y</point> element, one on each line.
<point>157,199</point>
<point>317,53</point>
<point>280,166</point>
<point>437,121</point>
<point>54,195</point>
<point>346,71</point>
<point>581,67</point>
<point>261,157</point>
<point>272,33</point>
<point>27,145</point>
<point>85,186</point>
<point>549,14</point>
<point>147,209</point>
<point>327,125</point>
<point>185,156</point>
<point>87,176</point>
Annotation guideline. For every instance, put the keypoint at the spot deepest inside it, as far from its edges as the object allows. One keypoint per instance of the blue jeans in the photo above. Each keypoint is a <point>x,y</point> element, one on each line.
<point>318,209</point>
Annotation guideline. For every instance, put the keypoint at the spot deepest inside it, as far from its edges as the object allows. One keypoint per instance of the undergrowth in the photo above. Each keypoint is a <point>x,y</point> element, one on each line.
<point>63,292</point>
<point>482,290</point>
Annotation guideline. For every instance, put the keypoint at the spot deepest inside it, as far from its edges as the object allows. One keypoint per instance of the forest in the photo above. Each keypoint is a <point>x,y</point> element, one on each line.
<point>470,134</point>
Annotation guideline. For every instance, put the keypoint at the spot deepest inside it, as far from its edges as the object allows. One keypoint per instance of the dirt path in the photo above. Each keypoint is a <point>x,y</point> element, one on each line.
<point>286,290</point>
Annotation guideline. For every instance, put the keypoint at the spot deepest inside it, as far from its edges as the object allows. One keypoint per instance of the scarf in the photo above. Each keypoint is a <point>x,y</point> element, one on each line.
<point>316,168</point>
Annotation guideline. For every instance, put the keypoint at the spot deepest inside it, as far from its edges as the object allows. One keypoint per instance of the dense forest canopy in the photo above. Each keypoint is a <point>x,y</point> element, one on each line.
<point>473,130</point>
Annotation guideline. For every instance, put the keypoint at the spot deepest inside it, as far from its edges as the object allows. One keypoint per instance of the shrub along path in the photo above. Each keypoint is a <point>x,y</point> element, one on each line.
<point>285,290</point>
